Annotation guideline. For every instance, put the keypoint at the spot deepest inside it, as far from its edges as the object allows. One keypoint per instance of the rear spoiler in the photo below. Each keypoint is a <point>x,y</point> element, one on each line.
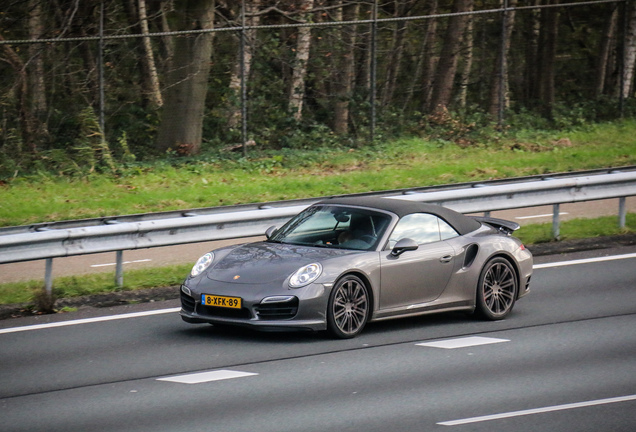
<point>501,224</point>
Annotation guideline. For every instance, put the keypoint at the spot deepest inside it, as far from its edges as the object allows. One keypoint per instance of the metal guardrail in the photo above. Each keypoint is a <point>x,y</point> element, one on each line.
<point>175,214</point>
<point>116,235</point>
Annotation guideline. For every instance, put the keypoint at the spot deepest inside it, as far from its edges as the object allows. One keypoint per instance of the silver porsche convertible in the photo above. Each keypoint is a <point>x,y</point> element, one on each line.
<point>344,262</point>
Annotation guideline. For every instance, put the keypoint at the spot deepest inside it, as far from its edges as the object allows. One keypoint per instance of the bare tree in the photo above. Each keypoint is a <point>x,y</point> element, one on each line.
<point>252,18</point>
<point>167,44</point>
<point>26,118</point>
<point>35,72</point>
<point>608,40</point>
<point>303,44</point>
<point>138,18</point>
<point>630,52</point>
<point>447,66</point>
<point>532,29</point>
<point>187,82</point>
<point>499,81</point>
<point>396,51</point>
<point>547,57</point>
<point>148,59</point>
<point>429,59</point>
<point>346,72</point>
<point>468,62</point>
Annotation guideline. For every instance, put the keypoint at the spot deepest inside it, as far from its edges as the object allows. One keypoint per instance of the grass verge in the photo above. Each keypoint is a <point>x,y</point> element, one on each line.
<point>98,283</point>
<point>577,229</point>
<point>103,283</point>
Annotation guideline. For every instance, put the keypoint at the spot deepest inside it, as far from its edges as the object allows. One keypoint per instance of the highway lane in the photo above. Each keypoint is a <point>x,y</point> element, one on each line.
<point>572,340</point>
<point>399,387</point>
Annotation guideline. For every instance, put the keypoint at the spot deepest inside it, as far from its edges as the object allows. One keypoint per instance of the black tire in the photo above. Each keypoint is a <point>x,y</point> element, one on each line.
<point>497,290</point>
<point>349,307</point>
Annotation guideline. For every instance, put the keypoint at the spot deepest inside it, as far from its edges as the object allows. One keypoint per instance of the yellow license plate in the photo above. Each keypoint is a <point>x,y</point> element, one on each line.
<point>221,301</point>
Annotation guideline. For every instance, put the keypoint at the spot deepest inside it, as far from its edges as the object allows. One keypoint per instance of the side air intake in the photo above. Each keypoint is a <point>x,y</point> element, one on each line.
<point>471,254</point>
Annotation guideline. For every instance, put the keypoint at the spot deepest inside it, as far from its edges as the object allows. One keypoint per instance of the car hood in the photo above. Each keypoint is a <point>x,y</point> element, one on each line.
<point>265,262</point>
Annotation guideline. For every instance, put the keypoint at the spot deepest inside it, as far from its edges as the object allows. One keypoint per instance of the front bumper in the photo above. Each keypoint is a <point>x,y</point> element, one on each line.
<point>302,309</point>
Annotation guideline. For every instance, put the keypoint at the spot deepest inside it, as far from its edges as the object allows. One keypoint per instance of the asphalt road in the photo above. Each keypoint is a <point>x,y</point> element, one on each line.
<point>565,360</point>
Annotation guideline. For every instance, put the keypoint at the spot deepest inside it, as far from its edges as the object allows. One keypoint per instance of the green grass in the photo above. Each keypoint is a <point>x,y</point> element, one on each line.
<point>98,283</point>
<point>217,179</point>
<point>577,229</point>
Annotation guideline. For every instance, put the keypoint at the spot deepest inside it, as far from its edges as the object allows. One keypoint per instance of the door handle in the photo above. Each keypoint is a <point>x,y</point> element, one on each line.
<point>446,259</point>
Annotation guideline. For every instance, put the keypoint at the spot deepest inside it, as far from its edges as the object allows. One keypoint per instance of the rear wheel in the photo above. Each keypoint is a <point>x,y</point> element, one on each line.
<point>497,289</point>
<point>348,309</point>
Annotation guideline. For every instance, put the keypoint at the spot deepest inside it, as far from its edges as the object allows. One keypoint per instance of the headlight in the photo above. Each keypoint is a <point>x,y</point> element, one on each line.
<point>203,263</point>
<point>305,275</point>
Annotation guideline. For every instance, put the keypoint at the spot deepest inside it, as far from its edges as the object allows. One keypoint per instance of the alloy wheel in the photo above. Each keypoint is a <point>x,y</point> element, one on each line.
<point>497,289</point>
<point>348,307</point>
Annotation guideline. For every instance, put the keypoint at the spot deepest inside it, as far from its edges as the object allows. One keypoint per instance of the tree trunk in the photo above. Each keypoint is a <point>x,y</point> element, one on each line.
<point>547,57</point>
<point>35,72</point>
<point>151,78</point>
<point>602,61</point>
<point>138,19</point>
<point>346,74</point>
<point>82,24</point>
<point>630,56</point>
<point>26,118</point>
<point>187,82</point>
<point>167,42</point>
<point>468,62</point>
<point>303,44</point>
<point>364,64</point>
<point>429,59</point>
<point>395,57</point>
<point>499,81</point>
<point>447,65</point>
<point>531,72</point>
<point>251,19</point>
<point>415,78</point>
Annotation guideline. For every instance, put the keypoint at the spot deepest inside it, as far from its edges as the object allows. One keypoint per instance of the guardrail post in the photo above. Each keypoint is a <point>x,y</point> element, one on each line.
<point>119,269</point>
<point>555,221</point>
<point>48,277</point>
<point>622,210</point>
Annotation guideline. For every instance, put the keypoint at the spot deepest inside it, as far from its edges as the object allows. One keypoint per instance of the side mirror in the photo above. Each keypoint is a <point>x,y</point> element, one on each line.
<point>406,244</point>
<point>271,232</point>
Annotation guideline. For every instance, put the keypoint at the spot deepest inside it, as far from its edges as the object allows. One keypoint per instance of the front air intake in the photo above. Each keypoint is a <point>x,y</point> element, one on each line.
<point>286,309</point>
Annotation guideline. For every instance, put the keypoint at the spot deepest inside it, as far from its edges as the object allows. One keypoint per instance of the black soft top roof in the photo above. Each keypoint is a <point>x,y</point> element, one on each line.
<point>462,224</point>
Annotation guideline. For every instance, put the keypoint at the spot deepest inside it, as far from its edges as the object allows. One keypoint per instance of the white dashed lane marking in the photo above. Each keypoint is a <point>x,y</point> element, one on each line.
<point>538,410</point>
<point>125,262</point>
<point>462,342</point>
<point>204,377</point>
<point>584,261</point>
<point>89,320</point>
<point>539,216</point>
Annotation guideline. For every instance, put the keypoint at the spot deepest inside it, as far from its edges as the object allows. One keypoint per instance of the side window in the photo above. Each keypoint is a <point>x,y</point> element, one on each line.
<point>423,228</point>
<point>446,231</point>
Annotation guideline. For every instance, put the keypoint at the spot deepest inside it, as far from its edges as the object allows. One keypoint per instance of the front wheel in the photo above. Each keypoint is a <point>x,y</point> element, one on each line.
<point>497,289</point>
<point>348,308</point>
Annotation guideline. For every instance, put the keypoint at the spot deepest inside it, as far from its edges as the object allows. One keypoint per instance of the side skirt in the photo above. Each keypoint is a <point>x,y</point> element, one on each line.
<point>415,310</point>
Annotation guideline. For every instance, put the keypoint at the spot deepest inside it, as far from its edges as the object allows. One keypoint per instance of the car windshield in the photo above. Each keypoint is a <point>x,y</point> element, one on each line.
<point>336,227</point>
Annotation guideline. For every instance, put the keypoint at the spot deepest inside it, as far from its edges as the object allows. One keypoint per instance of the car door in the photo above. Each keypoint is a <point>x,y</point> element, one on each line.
<point>418,276</point>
